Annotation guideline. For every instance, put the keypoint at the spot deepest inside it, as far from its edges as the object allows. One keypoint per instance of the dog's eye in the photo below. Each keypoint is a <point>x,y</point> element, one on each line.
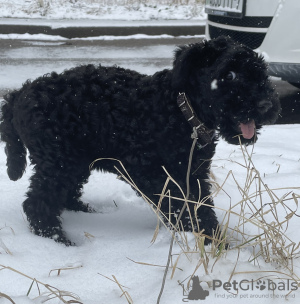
<point>230,76</point>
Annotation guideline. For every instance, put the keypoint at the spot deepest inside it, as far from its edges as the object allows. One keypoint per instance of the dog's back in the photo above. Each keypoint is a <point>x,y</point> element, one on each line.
<point>52,105</point>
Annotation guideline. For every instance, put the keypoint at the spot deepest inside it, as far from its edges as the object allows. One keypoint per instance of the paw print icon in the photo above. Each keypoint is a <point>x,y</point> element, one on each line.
<point>261,285</point>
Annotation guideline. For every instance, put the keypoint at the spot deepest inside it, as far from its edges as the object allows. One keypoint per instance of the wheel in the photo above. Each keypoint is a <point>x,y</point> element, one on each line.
<point>295,84</point>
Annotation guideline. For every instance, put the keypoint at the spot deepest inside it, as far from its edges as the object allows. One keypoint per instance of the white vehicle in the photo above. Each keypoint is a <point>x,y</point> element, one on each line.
<point>270,27</point>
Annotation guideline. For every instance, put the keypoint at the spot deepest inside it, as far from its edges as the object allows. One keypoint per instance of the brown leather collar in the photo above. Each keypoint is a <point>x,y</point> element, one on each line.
<point>205,135</point>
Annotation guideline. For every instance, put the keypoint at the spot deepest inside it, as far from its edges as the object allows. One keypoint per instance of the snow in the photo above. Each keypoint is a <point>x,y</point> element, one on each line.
<point>103,10</point>
<point>64,23</point>
<point>122,229</point>
<point>214,84</point>
<point>111,241</point>
<point>31,37</point>
<point>46,37</point>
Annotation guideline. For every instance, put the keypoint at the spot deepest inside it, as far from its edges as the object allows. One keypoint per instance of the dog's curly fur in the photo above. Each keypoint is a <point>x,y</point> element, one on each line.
<point>68,120</point>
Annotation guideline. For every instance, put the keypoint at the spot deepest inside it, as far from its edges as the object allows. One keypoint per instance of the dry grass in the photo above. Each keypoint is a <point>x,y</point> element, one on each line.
<point>124,293</point>
<point>260,209</point>
<point>2,245</point>
<point>263,210</point>
<point>51,293</point>
<point>3,295</point>
<point>267,211</point>
<point>59,270</point>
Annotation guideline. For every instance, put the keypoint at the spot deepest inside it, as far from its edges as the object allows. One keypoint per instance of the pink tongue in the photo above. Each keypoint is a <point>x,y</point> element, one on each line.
<point>248,129</point>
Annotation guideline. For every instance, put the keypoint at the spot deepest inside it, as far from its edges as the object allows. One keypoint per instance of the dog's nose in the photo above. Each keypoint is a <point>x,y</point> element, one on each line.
<point>264,106</point>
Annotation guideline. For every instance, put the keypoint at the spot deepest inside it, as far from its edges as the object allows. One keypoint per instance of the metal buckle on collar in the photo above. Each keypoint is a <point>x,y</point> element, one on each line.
<point>203,133</point>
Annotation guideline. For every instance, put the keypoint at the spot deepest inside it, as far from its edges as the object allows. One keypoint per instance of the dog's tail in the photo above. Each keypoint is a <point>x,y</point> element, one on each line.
<point>15,149</point>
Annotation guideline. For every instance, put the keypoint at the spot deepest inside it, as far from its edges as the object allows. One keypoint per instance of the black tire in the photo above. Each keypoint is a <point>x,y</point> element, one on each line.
<point>295,84</point>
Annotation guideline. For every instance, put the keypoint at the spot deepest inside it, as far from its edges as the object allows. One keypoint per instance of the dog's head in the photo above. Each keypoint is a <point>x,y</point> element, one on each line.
<point>228,87</point>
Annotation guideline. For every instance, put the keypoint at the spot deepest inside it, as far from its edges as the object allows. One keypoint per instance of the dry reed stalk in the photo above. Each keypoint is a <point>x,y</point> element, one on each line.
<point>2,245</point>
<point>149,264</point>
<point>53,292</point>
<point>59,270</point>
<point>124,293</point>
<point>3,295</point>
<point>254,209</point>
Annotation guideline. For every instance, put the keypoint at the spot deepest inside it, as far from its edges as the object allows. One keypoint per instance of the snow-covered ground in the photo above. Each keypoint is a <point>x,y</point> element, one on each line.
<point>110,241</point>
<point>123,228</point>
<point>103,9</point>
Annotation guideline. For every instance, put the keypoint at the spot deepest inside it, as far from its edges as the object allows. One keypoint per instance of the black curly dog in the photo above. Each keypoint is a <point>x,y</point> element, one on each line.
<point>68,120</point>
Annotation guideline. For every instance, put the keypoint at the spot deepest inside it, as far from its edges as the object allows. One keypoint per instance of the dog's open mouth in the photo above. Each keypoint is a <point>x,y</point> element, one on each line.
<point>248,129</point>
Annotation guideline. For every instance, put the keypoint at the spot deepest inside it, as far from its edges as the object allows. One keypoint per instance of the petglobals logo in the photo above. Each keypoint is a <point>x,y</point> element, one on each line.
<point>196,292</point>
<point>262,288</point>
<point>252,285</point>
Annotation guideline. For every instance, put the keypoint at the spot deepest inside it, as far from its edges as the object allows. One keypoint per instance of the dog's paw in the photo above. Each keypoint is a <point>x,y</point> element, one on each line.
<point>80,206</point>
<point>55,234</point>
<point>61,238</point>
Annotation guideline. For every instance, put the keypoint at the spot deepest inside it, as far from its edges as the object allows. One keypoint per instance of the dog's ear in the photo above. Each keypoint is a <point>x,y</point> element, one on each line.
<point>221,43</point>
<point>193,57</point>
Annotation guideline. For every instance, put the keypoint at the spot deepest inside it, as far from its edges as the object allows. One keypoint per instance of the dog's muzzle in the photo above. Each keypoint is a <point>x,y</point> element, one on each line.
<point>264,106</point>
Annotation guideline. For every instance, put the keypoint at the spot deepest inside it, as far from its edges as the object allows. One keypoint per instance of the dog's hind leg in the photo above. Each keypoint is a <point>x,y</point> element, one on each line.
<point>56,185</point>
<point>44,204</point>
